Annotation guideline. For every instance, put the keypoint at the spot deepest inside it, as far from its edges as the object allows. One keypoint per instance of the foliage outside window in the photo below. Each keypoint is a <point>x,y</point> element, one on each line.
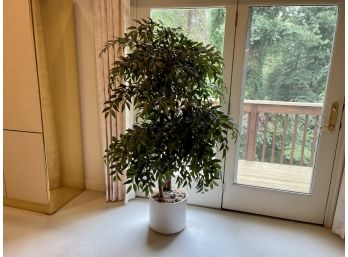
<point>288,60</point>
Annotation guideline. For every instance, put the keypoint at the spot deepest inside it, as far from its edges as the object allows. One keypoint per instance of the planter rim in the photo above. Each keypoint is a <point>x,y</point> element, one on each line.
<point>186,195</point>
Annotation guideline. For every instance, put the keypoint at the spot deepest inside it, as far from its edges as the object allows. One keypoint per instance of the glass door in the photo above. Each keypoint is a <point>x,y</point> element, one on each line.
<point>287,86</point>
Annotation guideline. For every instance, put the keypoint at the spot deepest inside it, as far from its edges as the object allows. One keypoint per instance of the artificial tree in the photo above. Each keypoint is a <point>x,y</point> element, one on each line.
<point>173,83</point>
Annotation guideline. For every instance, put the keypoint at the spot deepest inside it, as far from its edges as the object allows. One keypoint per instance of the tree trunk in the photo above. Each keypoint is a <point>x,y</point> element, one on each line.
<point>167,185</point>
<point>189,21</point>
<point>160,192</point>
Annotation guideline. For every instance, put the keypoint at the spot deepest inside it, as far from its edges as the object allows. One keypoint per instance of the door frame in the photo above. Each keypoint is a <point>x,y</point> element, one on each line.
<point>337,174</point>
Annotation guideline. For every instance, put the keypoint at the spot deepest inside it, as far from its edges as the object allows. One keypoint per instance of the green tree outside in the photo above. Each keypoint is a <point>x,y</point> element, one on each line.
<point>289,51</point>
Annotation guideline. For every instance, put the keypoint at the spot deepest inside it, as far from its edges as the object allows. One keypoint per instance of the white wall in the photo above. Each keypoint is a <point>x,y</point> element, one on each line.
<point>90,116</point>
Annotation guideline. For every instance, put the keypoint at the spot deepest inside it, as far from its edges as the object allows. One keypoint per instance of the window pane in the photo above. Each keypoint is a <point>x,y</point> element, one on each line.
<point>288,55</point>
<point>205,25</point>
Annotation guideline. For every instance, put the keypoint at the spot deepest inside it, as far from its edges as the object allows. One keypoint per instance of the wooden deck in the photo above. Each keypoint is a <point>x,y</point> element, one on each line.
<point>276,176</point>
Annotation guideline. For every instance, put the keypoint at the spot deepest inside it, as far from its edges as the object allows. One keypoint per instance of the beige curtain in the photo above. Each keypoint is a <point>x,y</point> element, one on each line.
<point>111,20</point>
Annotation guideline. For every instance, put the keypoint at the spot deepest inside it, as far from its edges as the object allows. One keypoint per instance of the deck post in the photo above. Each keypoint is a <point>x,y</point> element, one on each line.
<point>252,133</point>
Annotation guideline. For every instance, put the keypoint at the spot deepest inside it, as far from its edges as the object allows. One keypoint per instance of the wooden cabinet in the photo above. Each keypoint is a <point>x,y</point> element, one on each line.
<point>21,91</point>
<point>42,136</point>
<point>24,167</point>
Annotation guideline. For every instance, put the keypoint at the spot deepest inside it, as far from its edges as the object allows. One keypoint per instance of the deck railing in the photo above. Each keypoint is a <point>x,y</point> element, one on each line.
<point>272,111</point>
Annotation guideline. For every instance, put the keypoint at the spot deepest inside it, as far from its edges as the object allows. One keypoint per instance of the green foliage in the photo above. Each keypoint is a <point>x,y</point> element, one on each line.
<point>288,60</point>
<point>289,53</point>
<point>170,80</point>
<point>217,27</point>
<point>195,23</point>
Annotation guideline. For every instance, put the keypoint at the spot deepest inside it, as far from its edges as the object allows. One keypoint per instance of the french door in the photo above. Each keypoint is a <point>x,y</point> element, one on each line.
<point>287,93</point>
<point>283,67</point>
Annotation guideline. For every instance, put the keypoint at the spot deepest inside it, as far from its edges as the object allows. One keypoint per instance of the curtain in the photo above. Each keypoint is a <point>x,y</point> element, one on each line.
<point>111,18</point>
<point>338,223</point>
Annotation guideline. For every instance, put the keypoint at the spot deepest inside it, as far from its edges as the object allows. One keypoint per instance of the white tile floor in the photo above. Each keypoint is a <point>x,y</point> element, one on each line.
<point>89,227</point>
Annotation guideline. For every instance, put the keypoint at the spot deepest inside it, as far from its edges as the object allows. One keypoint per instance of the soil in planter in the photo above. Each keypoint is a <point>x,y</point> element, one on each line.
<point>171,196</point>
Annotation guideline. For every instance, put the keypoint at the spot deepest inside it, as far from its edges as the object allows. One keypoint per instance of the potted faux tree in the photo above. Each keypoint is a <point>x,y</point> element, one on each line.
<point>173,83</point>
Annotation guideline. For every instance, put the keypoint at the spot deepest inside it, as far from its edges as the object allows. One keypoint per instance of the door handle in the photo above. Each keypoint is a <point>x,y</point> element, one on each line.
<point>333,117</point>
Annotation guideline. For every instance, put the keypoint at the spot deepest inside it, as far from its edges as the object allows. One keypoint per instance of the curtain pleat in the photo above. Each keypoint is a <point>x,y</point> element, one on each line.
<point>111,19</point>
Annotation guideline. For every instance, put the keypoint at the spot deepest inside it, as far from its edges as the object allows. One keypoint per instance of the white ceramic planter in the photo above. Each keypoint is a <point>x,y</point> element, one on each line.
<point>168,218</point>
